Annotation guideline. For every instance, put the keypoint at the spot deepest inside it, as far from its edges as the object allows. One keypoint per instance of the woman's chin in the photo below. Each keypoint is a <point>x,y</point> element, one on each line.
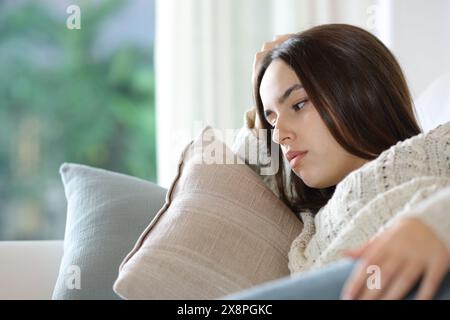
<point>308,181</point>
<point>301,175</point>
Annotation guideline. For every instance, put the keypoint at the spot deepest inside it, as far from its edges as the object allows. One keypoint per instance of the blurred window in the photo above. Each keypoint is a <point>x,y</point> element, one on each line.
<point>71,95</point>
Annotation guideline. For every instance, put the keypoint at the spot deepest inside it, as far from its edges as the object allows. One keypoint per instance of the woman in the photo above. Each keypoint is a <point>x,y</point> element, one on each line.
<point>335,100</point>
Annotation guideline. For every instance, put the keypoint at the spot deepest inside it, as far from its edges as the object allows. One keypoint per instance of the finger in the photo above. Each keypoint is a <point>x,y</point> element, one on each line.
<point>381,274</point>
<point>402,282</point>
<point>281,38</point>
<point>272,44</point>
<point>357,252</point>
<point>258,124</point>
<point>356,281</point>
<point>267,46</point>
<point>256,64</point>
<point>258,57</point>
<point>431,280</point>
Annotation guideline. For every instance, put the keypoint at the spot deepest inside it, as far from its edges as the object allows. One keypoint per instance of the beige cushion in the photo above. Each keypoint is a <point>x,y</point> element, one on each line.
<point>221,230</point>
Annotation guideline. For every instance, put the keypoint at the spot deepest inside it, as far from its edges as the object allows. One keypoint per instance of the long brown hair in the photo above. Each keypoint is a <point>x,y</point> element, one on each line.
<point>358,89</point>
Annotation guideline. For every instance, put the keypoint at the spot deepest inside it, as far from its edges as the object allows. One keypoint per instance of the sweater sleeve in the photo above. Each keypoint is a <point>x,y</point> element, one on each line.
<point>434,209</point>
<point>435,213</point>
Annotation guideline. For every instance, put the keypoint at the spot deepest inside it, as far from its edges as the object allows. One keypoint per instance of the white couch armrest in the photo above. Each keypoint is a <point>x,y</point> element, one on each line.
<point>28,269</point>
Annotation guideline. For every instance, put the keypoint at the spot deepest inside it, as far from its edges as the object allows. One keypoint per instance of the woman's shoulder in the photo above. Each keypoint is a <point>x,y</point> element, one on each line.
<point>426,154</point>
<point>420,144</point>
<point>441,131</point>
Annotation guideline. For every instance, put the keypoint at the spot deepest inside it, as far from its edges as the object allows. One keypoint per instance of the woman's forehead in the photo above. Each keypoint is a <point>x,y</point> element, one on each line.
<point>277,76</point>
<point>278,82</point>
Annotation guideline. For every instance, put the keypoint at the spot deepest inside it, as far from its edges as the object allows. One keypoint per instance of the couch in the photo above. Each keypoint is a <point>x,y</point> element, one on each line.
<point>29,269</point>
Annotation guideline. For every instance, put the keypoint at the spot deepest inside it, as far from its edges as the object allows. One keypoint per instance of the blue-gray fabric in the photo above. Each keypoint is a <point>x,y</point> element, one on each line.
<point>106,213</point>
<point>323,284</point>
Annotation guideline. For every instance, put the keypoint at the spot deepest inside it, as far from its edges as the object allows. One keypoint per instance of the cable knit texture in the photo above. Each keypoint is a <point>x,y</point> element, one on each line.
<point>410,179</point>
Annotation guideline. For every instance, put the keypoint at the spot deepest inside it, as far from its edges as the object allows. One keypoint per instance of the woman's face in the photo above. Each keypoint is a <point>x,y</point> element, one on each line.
<point>299,127</point>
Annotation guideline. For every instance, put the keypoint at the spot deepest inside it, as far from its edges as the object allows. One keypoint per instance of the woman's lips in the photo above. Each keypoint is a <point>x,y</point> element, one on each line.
<point>296,160</point>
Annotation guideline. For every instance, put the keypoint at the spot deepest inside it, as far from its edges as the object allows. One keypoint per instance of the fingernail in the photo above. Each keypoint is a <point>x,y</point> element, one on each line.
<point>347,296</point>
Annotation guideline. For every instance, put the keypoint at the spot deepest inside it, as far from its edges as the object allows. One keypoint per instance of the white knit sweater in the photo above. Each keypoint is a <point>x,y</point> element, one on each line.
<point>410,179</point>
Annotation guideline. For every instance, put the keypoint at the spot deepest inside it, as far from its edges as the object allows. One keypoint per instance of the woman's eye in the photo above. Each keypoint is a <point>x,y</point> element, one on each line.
<point>299,105</point>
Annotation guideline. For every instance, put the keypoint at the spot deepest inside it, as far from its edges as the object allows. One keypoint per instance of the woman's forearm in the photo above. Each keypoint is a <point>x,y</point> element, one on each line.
<point>435,213</point>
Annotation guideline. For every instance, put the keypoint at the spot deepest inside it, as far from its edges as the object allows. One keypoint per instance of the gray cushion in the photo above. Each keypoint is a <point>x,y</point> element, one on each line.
<point>106,213</point>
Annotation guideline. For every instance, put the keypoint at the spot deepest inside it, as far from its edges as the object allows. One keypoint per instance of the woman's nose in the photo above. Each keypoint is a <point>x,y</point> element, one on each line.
<point>281,135</point>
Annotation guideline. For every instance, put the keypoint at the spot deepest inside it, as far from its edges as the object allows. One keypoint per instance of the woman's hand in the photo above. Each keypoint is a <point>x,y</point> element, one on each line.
<point>407,251</point>
<point>259,56</point>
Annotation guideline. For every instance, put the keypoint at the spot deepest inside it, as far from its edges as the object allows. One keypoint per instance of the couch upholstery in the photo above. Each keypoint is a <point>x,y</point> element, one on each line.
<point>28,269</point>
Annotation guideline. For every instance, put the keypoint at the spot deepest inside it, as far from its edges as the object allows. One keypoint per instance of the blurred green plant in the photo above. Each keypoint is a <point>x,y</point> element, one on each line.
<point>98,112</point>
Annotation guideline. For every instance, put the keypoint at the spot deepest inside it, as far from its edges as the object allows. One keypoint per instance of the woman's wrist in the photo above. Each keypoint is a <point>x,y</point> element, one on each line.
<point>250,116</point>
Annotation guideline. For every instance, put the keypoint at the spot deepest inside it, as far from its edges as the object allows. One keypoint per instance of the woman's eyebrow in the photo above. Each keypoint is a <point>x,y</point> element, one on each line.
<point>283,98</point>
<point>288,92</point>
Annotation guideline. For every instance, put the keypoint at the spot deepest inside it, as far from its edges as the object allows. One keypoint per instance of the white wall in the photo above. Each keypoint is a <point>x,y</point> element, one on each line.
<point>421,40</point>
<point>205,48</point>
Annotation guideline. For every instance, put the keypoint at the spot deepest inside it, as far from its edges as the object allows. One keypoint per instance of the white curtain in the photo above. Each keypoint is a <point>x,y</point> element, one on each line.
<point>204,54</point>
